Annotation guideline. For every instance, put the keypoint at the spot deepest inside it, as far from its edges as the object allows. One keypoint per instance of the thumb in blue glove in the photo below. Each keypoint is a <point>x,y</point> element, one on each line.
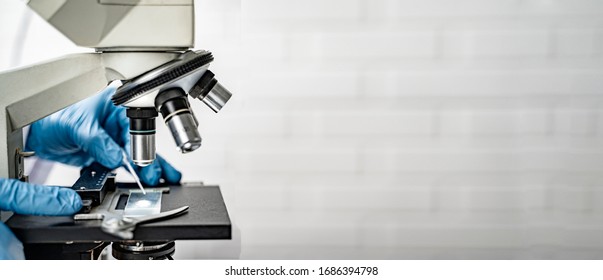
<point>29,199</point>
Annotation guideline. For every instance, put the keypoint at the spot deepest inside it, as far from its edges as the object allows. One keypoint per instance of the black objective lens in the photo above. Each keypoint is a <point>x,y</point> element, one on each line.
<point>142,135</point>
<point>178,116</point>
<point>210,91</point>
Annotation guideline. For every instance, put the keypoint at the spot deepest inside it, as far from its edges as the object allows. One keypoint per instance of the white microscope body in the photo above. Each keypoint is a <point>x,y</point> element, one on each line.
<point>129,38</point>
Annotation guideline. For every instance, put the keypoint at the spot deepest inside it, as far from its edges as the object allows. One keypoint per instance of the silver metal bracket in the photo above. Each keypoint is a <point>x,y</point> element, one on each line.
<point>19,163</point>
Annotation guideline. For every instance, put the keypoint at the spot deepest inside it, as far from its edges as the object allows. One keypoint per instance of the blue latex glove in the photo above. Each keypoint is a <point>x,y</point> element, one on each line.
<point>28,199</point>
<point>93,130</point>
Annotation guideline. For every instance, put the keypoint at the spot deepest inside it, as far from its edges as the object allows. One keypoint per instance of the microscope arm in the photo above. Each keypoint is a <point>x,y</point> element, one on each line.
<point>31,93</point>
<point>34,92</point>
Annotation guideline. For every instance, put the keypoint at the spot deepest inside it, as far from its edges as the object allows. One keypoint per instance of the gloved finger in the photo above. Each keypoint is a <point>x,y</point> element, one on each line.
<point>115,126</point>
<point>124,126</point>
<point>10,247</point>
<point>117,119</point>
<point>100,146</point>
<point>111,88</point>
<point>168,172</point>
<point>29,199</point>
<point>116,123</point>
<point>160,168</point>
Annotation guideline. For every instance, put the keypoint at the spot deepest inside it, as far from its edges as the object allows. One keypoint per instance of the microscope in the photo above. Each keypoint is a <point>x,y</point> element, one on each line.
<point>146,44</point>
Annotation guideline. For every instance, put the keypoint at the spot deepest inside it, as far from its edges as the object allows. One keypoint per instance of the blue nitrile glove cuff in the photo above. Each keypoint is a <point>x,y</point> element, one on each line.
<point>10,247</point>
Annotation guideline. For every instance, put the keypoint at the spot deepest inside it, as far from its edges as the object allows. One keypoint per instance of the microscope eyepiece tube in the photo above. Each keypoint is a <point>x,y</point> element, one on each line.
<point>178,116</point>
<point>142,135</point>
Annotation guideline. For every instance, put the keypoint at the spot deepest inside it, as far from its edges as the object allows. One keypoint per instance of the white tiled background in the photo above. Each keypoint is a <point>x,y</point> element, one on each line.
<point>399,128</point>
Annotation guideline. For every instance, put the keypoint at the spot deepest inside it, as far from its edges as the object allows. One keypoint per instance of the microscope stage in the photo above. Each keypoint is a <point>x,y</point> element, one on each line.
<point>207,218</point>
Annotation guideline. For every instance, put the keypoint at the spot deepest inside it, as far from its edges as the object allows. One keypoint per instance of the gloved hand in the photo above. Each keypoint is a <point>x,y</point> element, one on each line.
<point>28,199</point>
<point>93,130</point>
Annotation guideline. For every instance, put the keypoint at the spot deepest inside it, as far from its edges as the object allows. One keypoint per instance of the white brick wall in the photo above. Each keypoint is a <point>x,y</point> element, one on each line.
<point>405,128</point>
